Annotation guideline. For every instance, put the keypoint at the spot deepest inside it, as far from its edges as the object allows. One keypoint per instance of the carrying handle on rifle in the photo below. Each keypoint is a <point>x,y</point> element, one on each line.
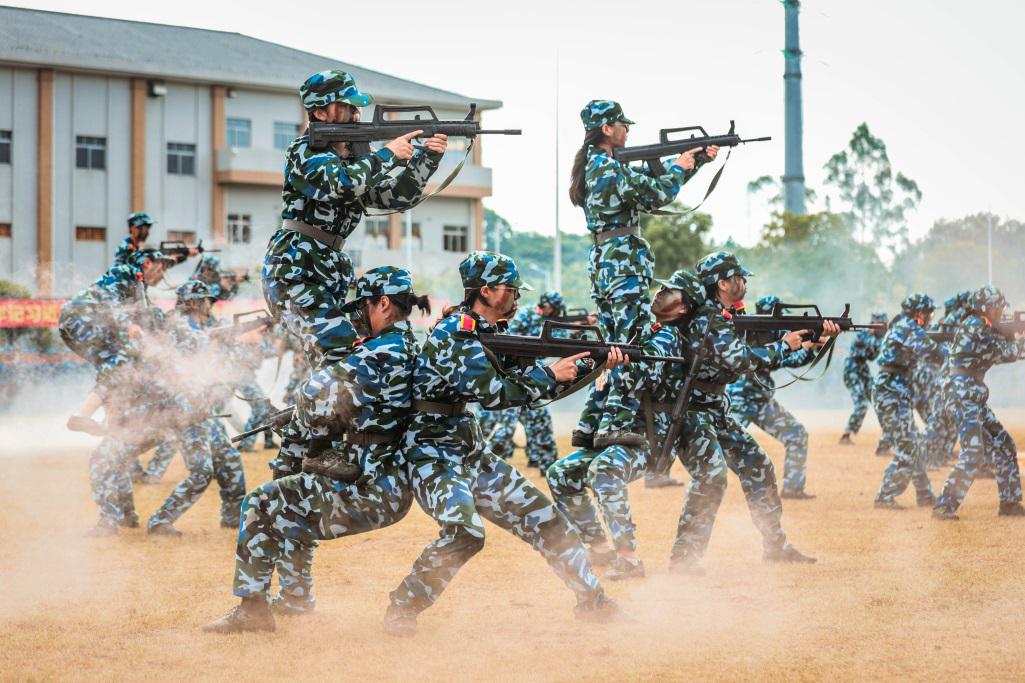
<point>550,325</point>
<point>779,307</point>
<point>258,314</point>
<point>663,135</point>
<point>381,109</point>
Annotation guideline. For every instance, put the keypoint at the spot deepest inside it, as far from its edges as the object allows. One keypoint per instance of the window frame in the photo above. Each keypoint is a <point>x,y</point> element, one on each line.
<point>231,134</point>
<point>91,152</point>
<point>462,238</point>
<point>6,146</point>
<point>180,155</point>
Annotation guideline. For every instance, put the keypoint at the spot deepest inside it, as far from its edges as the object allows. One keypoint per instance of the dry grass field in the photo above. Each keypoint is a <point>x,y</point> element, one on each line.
<point>895,595</point>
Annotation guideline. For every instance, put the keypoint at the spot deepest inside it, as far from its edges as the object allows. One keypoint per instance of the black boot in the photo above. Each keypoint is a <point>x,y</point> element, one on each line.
<point>333,464</point>
<point>945,514</point>
<point>845,440</point>
<point>925,499</point>
<point>1011,510</point>
<point>787,554</point>
<point>623,569</point>
<point>618,438</point>
<point>686,565</point>
<point>252,614</point>
<point>799,494</point>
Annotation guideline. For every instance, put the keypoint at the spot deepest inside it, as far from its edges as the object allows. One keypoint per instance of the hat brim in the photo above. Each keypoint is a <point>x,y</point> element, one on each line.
<point>358,100</point>
<point>521,285</point>
<point>351,306</point>
<point>626,121</point>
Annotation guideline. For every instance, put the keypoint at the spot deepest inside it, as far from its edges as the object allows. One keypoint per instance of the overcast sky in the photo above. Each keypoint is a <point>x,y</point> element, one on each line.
<point>939,80</point>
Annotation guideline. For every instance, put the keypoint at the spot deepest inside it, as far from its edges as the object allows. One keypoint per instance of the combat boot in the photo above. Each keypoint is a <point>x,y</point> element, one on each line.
<point>601,558</point>
<point>252,614</point>
<point>686,565</point>
<point>333,464</point>
<point>230,524</point>
<point>602,611</point>
<point>400,621</point>
<point>845,440</point>
<point>799,494</point>
<point>925,499</point>
<point>623,569</point>
<point>163,529</point>
<point>287,607</point>
<point>945,514</point>
<point>888,505</point>
<point>101,530</point>
<point>618,438</point>
<point>80,423</point>
<point>787,554</point>
<point>1011,510</point>
<point>883,452</point>
<point>661,481</point>
<point>581,439</point>
<point>130,521</point>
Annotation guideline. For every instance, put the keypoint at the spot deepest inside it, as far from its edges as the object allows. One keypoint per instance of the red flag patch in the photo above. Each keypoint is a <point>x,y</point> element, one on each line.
<point>467,323</point>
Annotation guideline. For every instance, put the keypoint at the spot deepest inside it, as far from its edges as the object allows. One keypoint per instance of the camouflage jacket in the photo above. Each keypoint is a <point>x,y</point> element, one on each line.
<point>453,368</point>
<point>123,256</point>
<point>118,297</point>
<point>864,347</point>
<point>977,346</point>
<point>331,193</point>
<point>904,346</point>
<point>661,381</point>
<point>729,356</point>
<point>527,321</point>
<point>759,386</point>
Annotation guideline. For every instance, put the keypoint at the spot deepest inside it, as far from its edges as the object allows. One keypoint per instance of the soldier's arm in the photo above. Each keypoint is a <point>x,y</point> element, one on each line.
<point>925,347</point>
<point>737,356</point>
<point>400,190</point>
<point>463,363</point>
<point>648,192</point>
<point>798,358</point>
<point>325,175</point>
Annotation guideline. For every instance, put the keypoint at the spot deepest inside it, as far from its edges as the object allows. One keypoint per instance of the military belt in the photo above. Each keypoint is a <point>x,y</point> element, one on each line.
<point>966,372</point>
<point>606,235</point>
<point>709,388</point>
<point>895,370</point>
<point>335,242</point>
<point>436,408</point>
<point>371,438</point>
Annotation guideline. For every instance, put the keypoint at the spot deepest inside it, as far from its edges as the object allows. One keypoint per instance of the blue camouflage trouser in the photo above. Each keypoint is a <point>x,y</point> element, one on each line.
<point>606,474</point>
<point>780,424</point>
<point>711,444</point>
<point>498,427</point>
<point>160,460</point>
<point>260,406</point>
<point>103,344</point>
<point>111,484</point>
<point>893,403</point>
<point>980,431</point>
<point>858,380</point>
<point>460,495</point>
<point>283,520</point>
<point>208,455</point>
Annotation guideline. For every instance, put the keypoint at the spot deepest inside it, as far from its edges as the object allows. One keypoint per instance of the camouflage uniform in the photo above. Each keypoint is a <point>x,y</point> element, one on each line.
<point>127,250</point>
<point>752,400</point>
<point>607,472</point>
<point>306,280</point>
<point>283,519</point>
<point>941,427</point>
<point>903,348</point>
<point>857,377</point>
<point>712,441</point>
<point>621,264</point>
<point>498,428</point>
<point>456,479</point>
<point>976,348</point>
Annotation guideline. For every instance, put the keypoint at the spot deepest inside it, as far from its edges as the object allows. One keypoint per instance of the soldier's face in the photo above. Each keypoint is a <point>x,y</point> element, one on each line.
<point>337,112</point>
<point>503,299</point>
<point>152,271</point>
<point>994,315</point>
<point>139,233</point>
<point>733,289</point>
<point>547,310</point>
<point>616,133</point>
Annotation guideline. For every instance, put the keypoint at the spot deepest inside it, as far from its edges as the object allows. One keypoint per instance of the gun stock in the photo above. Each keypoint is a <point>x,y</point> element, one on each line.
<point>278,420</point>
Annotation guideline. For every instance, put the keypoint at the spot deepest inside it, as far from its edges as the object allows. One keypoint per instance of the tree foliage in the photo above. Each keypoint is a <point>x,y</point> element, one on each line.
<point>677,241</point>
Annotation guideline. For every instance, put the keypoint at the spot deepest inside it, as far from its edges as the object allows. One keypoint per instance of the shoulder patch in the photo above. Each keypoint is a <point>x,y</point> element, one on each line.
<point>726,314</point>
<point>467,323</point>
<point>138,275</point>
<point>655,327</point>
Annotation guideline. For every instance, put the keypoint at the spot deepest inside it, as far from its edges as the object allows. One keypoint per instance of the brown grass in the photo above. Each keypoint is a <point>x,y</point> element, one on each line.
<point>895,595</point>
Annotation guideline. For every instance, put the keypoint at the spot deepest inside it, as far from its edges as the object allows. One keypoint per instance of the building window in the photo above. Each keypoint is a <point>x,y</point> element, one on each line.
<point>5,146</point>
<point>455,237</point>
<point>240,228</point>
<point>90,152</point>
<point>284,133</point>
<point>240,133</point>
<point>186,236</point>
<point>376,227</point>
<point>85,233</point>
<point>181,158</point>
<point>5,229</point>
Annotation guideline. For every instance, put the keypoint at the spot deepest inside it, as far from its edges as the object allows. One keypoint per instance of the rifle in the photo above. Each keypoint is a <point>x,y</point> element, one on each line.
<point>263,320</point>
<point>652,154</point>
<point>360,135</point>
<point>178,250</point>
<point>758,327</point>
<point>549,346</point>
<point>1011,325</point>
<point>573,315</point>
<point>278,420</point>
<point>683,398</point>
<point>940,336</point>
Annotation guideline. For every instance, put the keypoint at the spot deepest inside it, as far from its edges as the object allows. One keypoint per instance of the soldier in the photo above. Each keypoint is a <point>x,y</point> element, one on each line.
<point>752,400</point>
<point>977,347</point>
<point>367,396</point>
<point>139,224</point>
<point>607,472</point>
<point>207,451</point>
<point>306,275</point>
<point>904,346</point>
<point>621,264</point>
<point>456,479</point>
<point>858,379</point>
<point>713,439</point>
<point>940,427</point>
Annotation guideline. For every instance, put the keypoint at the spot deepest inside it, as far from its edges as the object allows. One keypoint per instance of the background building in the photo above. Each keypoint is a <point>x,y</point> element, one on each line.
<point>101,117</point>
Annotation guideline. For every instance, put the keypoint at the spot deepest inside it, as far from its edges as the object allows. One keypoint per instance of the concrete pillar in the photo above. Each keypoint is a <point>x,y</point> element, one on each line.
<point>138,189</point>
<point>217,140</point>
<point>44,185</point>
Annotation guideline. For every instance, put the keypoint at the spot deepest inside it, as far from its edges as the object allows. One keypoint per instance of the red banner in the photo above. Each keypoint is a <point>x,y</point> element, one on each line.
<point>30,312</point>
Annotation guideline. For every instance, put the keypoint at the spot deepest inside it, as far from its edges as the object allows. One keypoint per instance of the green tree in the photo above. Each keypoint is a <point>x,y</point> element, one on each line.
<point>29,338</point>
<point>676,241</point>
<point>876,201</point>
<point>496,231</point>
<point>773,186</point>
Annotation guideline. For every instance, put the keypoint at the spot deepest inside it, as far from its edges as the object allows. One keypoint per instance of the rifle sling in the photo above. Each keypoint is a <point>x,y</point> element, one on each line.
<point>827,352</point>
<point>711,187</point>
<point>649,421</point>
<point>444,183</point>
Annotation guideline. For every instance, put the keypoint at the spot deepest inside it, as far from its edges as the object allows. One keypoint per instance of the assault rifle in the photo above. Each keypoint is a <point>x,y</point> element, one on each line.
<point>278,420</point>
<point>549,346</point>
<point>759,328</point>
<point>941,336</point>
<point>179,251</point>
<point>360,135</point>
<point>262,320</point>
<point>683,398</point>
<point>1011,325</point>
<point>573,315</point>
<point>652,154</point>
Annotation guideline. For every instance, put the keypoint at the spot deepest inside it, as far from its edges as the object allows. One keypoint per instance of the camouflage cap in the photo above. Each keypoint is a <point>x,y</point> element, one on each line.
<point>686,282</point>
<point>486,268</point>
<point>879,317</point>
<point>765,304</point>
<point>325,87</point>
<point>918,302</point>
<point>719,265</point>
<point>192,290</point>
<point>141,255</point>
<point>597,113</point>
<point>551,298</point>
<point>378,282</point>
<point>989,297</point>
<point>139,218</point>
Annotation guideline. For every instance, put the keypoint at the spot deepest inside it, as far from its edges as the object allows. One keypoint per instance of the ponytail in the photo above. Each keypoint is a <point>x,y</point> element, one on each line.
<point>577,184</point>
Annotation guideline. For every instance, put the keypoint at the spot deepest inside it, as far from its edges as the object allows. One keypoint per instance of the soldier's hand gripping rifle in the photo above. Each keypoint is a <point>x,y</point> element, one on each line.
<point>179,251</point>
<point>261,320</point>
<point>278,420</point>
<point>549,346</point>
<point>360,135</point>
<point>760,328</point>
<point>1012,325</point>
<point>652,154</point>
